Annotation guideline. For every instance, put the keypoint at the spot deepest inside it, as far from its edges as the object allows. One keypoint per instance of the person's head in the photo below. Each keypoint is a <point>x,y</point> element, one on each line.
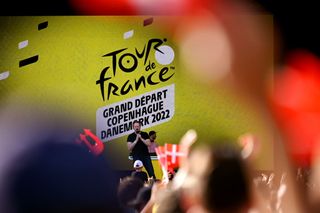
<point>128,190</point>
<point>136,126</point>
<point>216,179</point>
<point>228,185</point>
<point>152,135</point>
<point>61,177</point>
<point>138,165</point>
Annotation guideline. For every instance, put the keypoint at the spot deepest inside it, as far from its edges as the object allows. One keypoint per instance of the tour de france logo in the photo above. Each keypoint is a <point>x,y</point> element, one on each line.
<point>129,61</point>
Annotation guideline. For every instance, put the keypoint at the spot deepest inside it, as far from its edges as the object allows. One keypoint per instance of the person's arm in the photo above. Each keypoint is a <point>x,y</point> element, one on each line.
<point>145,141</point>
<point>131,144</point>
<point>151,205</point>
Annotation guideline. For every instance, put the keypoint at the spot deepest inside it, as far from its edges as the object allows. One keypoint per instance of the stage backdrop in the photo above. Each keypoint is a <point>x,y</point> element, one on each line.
<point>105,72</point>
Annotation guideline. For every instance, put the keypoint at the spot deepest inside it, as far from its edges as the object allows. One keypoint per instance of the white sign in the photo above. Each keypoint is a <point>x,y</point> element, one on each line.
<point>151,108</point>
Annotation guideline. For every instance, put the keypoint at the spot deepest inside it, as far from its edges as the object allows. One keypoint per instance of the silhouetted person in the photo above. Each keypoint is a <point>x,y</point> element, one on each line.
<point>228,186</point>
<point>127,192</point>
<point>61,178</point>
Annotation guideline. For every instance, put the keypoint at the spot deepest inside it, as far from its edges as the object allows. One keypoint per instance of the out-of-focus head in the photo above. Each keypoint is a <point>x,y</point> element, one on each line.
<point>228,184</point>
<point>128,190</point>
<point>61,177</point>
<point>216,179</point>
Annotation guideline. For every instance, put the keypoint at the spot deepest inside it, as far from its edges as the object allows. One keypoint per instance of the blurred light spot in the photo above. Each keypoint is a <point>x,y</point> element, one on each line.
<point>128,34</point>
<point>4,75</point>
<point>160,6</point>
<point>205,49</point>
<point>23,44</point>
<point>296,105</point>
<point>169,7</point>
